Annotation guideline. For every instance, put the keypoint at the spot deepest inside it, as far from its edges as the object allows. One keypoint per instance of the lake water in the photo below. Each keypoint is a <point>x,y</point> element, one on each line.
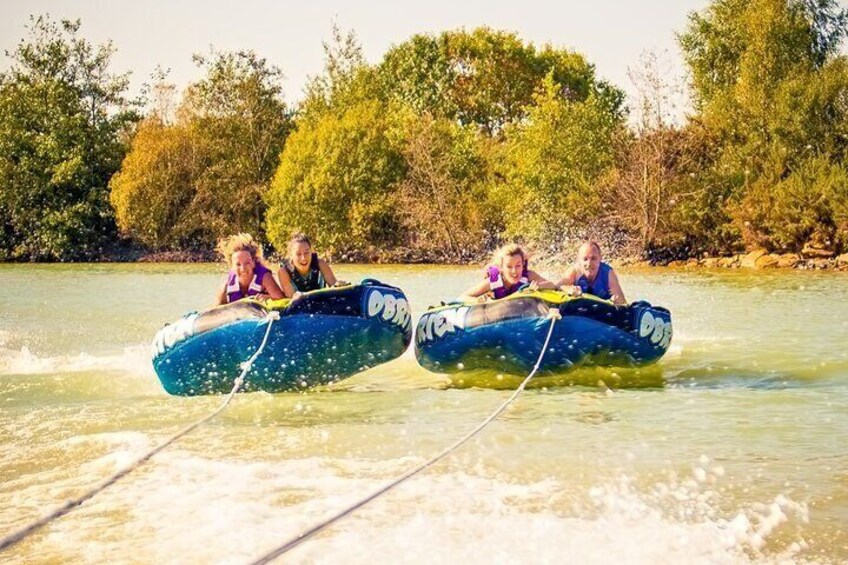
<point>734,450</point>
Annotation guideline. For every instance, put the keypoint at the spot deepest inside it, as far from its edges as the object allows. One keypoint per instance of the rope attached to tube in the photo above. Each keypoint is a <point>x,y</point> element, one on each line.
<point>554,315</point>
<point>17,536</point>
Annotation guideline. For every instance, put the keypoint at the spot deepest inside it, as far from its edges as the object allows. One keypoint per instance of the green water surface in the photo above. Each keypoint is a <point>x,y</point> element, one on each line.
<point>733,449</point>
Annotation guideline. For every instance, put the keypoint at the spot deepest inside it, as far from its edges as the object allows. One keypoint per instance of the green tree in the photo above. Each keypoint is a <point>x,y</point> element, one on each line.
<point>554,163</point>
<point>442,200</point>
<point>334,181</point>
<point>191,182</point>
<point>239,116</point>
<point>484,77</point>
<point>766,81</point>
<point>810,113</point>
<point>63,120</point>
<point>154,190</point>
<point>419,74</point>
<point>783,212</point>
<point>756,44</point>
<point>798,193</point>
<point>657,194</point>
<point>337,170</point>
<point>402,154</point>
<point>347,79</point>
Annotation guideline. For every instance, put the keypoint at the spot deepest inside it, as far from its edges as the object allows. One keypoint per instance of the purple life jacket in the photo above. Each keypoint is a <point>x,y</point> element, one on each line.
<point>234,290</point>
<point>496,282</point>
<point>600,286</point>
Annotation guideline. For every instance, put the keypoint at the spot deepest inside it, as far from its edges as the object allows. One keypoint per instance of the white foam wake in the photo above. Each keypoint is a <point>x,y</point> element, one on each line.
<point>134,359</point>
<point>188,508</point>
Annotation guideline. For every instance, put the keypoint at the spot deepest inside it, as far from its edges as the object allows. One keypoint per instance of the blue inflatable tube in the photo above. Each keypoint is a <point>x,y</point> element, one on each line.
<point>507,335</point>
<point>321,337</point>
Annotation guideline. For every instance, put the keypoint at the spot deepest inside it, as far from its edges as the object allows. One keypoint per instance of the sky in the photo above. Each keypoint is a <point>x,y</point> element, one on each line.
<point>611,34</point>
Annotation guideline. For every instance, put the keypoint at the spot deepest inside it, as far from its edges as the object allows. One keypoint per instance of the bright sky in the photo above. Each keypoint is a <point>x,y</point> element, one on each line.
<point>610,33</point>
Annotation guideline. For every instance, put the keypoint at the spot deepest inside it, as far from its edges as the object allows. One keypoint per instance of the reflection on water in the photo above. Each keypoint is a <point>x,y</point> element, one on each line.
<point>730,450</point>
<point>594,377</point>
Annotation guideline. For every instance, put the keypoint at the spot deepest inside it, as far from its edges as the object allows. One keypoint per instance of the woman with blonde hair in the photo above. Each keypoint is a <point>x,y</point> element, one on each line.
<point>248,276</point>
<point>508,273</point>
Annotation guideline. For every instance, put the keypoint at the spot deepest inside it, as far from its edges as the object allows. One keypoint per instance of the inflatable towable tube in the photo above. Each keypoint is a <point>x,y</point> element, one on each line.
<point>507,335</point>
<point>319,338</point>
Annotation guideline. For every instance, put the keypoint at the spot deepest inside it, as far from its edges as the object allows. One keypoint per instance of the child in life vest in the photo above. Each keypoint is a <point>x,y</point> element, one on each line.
<point>248,276</point>
<point>507,274</point>
<point>302,270</point>
<point>590,275</point>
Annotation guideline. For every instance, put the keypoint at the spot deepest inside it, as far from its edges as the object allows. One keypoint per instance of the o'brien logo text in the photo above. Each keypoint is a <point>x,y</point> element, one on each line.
<point>656,328</point>
<point>390,308</point>
<point>434,325</point>
<point>174,333</point>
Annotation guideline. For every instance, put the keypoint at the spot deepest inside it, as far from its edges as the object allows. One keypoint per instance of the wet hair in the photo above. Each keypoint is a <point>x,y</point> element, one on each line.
<point>239,242</point>
<point>508,251</point>
<point>298,238</point>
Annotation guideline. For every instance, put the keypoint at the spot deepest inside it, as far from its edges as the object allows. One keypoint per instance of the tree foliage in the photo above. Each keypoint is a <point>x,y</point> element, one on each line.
<point>153,192</point>
<point>347,79</point>
<point>772,90</point>
<point>554,162</point>
<point>339,168</point>
<point>442,201</point>
<point>204,176</point>
<point>334,182</point>
<point>656,194</point>
<point>450,144</point>
<point>63,116</point>
<point>484,77</point>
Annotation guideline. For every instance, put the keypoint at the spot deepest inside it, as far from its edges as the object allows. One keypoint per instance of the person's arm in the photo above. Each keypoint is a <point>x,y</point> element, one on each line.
<point>541,282</point>
<point>221,298</point>
<point>617,295</point>
<point>270,286</point>
<point>286,283</point>
<point>329,276</point>
<point>476,293</point>
<point>566,283</point>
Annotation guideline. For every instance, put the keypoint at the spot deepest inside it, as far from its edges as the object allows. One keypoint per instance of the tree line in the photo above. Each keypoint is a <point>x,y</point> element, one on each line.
<point>451,144</point>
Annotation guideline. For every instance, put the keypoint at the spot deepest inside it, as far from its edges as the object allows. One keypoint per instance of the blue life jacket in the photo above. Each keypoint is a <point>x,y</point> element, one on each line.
<point>600,286</point>
<point>313,280</point>
<point>255,287</point>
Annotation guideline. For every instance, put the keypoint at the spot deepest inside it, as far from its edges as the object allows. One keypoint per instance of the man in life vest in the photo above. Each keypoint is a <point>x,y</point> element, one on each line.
<point>507,274</point>
<point>248,276</point>
<point>590,275</point>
